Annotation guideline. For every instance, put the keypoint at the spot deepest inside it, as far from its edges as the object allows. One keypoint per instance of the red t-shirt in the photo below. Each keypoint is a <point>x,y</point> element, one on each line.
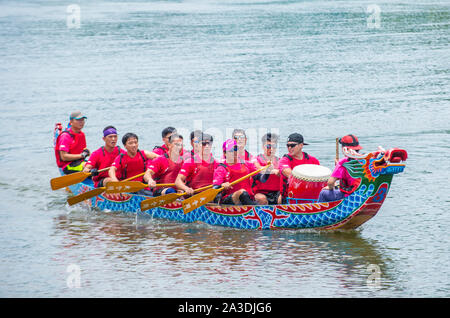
<point>128,167</point>
<point>286,163</point>
<point>71,143</point>
<point>165,170</point>
<point>101,159</point>
<point>198,172</point>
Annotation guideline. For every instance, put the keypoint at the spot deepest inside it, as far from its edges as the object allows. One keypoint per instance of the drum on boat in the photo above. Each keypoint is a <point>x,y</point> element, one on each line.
<point>306,182</point>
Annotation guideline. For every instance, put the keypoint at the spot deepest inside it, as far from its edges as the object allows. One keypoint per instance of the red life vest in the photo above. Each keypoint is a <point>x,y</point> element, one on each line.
<point>235,174</point>
<point>77,146</point>
<point>130,167</point>
<point>171,173</point>
<point>273,182</point>
<point>203,174</point>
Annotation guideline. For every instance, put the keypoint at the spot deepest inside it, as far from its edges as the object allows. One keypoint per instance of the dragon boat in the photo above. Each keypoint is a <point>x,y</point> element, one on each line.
<point>375,171</point>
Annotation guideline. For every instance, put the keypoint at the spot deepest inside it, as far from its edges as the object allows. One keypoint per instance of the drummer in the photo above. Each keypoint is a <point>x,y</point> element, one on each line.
<point>269,191</point>
<point>295,157</point>
<point>347,184</point>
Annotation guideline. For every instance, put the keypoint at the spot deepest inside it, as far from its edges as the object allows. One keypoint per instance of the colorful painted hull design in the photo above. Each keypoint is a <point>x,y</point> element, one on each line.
<point>349,213</point>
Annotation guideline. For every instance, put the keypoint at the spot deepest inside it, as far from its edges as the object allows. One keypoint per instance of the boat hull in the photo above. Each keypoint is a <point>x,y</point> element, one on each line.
<point>349,213</point>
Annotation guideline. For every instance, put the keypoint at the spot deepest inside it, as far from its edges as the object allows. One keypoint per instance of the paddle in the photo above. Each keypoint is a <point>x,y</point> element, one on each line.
<point>207,196</point>
<point>90,194</point>
<point>165,199</point>
<point>130,186</point>
<point>69,179</point>
<point>337,150</point>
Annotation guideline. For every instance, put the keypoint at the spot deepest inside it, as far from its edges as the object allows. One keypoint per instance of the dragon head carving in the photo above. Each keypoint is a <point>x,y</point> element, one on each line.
<point>370,166</point>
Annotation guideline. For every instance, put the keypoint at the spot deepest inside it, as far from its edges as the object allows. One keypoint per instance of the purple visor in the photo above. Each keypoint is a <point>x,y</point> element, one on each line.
<point>109,131</point>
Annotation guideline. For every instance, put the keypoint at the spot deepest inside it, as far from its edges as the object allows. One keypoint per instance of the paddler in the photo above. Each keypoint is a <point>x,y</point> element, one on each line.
<point>103,157</point>
<point>269,191</point>
<point>196,143</point>
<point>164,148</point>
<point>347,184</point>
<point>231,169</point>
<point>241,140</point>
<point>70,149</point>
<point>165,168</point>
<point>295,157</point>
<point>197,171</point>
<point>132,162</point>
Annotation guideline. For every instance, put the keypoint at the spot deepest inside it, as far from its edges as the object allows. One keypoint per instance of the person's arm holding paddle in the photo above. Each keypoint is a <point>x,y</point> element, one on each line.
<point>148,178</point>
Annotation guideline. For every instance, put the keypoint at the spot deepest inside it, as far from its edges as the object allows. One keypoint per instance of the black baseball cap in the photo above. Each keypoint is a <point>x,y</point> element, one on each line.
<point>295,137</point>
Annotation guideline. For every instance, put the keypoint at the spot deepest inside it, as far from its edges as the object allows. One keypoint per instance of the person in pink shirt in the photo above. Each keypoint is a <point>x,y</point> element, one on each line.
<point>70,148</point>
<point>231,169</point>
<point>103,157</point>
<point>347,184</point>
<point>164,148</point>
<point>295,157</point>
<point>241,141</point>
<point>269,191</point>
<point>165,168</point>
<point>197,172</point>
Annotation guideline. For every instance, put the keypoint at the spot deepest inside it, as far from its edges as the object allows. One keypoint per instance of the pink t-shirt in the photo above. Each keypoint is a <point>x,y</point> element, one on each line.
<point>340,172</point>
<point>286,163</point>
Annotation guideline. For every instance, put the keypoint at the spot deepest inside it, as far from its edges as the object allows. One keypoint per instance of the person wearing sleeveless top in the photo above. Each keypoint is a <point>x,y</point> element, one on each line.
<point>132,162</point>
<point>197,170</point>
<point>103,157</point>
<point>295,157</point>
<point>269,191</point>
<point>165,168</point>
<point>347,184</point>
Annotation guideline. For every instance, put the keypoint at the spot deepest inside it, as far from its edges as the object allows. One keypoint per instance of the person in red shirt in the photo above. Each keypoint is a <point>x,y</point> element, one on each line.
<point>196,143</point>
<point>70,148</point>
<point>295,157</point>
<point>132,162</point>
<point>197,171</point>
<point>166,133</point>
<point>103,157</point>
<point>347,184</point>
<point>269,191</point>
<point>231,169</point>
<point>165,168</point>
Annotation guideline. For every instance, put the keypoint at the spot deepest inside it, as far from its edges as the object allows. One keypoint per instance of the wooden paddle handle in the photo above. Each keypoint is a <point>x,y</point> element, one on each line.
<point>250,174</point>
<point>134,177</point>
<point>337,149</point>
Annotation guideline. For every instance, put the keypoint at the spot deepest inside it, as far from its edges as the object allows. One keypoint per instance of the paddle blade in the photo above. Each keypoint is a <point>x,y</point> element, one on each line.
<point>124,186</point>
<point>159,201</point>
<point>85,196</point>
<point>199,199</point>
<point>68,179</point>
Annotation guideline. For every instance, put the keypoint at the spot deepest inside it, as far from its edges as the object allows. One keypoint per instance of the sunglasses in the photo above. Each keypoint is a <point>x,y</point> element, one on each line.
<point>269,146</point>
<point>239,137</point>
<point>178,144</point>
<point>291,145</point>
